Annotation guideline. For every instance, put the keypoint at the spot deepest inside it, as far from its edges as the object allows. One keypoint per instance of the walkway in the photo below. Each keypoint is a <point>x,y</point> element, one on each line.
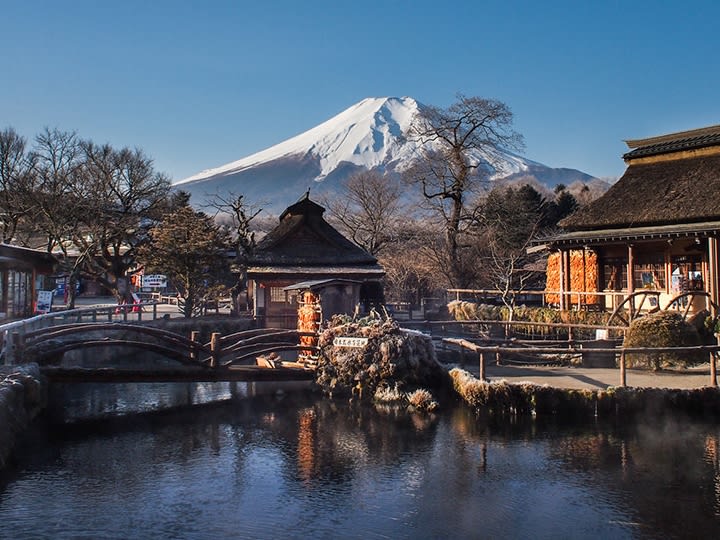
<point>594,378</point>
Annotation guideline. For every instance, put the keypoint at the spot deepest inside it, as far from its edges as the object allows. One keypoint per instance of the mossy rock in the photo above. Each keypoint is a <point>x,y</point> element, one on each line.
<point>663,329</point>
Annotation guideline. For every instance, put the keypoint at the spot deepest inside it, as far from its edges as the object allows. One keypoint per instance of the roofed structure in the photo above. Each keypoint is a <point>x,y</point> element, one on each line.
<point>664,189</point>
<point>658,225</point>
<point>304,239</point>
<point>305,247</point>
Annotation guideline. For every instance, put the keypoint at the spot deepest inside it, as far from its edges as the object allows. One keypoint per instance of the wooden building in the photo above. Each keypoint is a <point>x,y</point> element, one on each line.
<point>656,229</point>
<point>21,273</point>
<point>306,248</point>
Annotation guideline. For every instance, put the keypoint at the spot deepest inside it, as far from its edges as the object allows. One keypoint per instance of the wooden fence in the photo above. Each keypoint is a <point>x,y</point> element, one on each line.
<point>498,350</point>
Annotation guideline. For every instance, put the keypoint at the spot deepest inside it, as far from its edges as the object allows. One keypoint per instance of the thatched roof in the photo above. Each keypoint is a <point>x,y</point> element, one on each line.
<point>304,238</point>
<point>664,192</point>
<point>673,142</point>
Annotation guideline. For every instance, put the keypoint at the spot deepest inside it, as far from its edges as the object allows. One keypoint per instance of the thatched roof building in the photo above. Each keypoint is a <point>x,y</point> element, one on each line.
<point>305,247</point>
<point>657,227</point>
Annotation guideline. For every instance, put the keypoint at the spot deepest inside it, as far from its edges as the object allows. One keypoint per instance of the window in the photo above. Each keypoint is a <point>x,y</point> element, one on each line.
<point>686,272</point>
<point>649,272</point>
<point>614,274</point>
<point>277,295</point>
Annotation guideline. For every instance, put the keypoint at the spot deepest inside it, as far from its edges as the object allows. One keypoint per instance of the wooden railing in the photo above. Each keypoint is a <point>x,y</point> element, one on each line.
<point>498,350</point>
<point>12,332</point>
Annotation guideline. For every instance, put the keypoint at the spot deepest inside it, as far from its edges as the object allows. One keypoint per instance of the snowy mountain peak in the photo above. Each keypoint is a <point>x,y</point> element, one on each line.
<point>366,134</point>
<point>371,134</point>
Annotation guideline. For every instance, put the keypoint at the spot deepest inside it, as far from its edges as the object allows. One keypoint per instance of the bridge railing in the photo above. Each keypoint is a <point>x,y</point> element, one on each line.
<point>11,333</point>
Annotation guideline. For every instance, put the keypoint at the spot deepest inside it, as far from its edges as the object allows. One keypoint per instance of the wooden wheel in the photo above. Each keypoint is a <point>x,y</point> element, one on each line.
<point>684,301</point>
<point>631,307</point>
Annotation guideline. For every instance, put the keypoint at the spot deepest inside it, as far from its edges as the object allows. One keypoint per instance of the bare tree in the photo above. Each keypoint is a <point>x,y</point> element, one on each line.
<point>121,196</point>
<point>51,199</point>
<point>239,214</point>
<point>460,145</point>
<point>367,210</point>
<point>16,168</point>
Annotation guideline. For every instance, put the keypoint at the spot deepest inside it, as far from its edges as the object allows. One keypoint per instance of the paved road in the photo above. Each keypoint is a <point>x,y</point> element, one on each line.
<point>171,310</point>
<point>595,378</point>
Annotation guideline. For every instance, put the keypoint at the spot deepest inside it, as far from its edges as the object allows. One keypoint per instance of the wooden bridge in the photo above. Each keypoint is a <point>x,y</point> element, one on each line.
<point>241,356</point>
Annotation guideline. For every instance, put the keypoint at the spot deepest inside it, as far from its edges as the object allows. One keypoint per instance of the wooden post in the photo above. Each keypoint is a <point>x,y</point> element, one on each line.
<point>195,337</point>
<point>17,347</point>
<point>623,380</point>
<point>154,310</point>
<point>482,366</point>
<point>713,364</point>
<point>498,357</point>
<point>215,349</point>
<point>110,314</point>
<point>8,347</point>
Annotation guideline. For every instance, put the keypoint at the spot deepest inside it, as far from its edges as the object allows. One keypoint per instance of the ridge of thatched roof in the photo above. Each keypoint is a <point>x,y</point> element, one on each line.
<point>673,142</point>
<point>660,193</point>
<point>304,238</point>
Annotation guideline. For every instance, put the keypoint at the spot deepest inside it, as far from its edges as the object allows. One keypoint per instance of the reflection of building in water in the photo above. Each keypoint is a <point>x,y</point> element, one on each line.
<point>306,444</point>
<point>712,456</point>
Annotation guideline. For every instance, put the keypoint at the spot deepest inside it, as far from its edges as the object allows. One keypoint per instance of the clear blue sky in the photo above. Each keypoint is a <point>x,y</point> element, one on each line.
<point>197,84</point>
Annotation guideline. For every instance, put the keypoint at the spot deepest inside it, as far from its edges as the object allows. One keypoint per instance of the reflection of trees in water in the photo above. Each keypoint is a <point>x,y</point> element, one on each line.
<point>654,471</point>
<point>658,469</point>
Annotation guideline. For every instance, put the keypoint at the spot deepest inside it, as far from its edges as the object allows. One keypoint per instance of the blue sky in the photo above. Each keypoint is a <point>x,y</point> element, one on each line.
<point>199,84</point>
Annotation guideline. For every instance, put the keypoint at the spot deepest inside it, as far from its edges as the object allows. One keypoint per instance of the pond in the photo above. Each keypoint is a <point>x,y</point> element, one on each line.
<point>295,466</point>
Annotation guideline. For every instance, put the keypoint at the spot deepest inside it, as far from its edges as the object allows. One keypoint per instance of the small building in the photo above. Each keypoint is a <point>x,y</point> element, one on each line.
<point>306,248</point>
<point>654,230</point>
<point>21,274</point>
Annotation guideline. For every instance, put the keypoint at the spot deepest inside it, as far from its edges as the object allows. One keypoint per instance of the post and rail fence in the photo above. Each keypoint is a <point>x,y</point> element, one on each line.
<point>498,351</point>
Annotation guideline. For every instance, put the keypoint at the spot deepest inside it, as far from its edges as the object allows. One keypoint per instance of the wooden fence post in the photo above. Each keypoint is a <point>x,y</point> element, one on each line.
<point>498,356</point>
<point>482,366</point>
<point>154,310</point>
<point>215,349</point>
<point>195,337</point>
<point>713,364</point>
<point>17,348</point>
<point>623,379</point>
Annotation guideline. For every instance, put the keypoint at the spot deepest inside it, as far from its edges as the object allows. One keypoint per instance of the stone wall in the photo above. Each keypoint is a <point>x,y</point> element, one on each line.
<point>23,394</point>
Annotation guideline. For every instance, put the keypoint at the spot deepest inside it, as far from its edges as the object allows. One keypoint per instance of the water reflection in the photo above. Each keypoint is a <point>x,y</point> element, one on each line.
<point>291,466</point>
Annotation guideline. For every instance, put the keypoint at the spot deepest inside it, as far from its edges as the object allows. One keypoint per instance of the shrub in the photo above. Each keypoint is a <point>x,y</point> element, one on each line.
<point>663,329</point>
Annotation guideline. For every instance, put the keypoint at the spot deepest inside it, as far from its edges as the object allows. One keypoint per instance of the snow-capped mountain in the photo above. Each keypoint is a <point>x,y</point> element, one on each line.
<point>369,135</point>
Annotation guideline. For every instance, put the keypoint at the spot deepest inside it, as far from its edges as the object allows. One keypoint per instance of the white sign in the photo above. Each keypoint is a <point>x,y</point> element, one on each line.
<point>44,301</point>
<point>356,342</point>
<point>155,280</point>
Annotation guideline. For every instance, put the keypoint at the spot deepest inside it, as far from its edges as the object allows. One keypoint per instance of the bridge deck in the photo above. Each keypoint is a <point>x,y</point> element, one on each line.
<point>233,373</point>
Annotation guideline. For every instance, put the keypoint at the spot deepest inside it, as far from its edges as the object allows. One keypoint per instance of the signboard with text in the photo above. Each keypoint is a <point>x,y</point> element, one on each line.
<point>355,342</point>
<point>156,281</point>
<point>44,302</point>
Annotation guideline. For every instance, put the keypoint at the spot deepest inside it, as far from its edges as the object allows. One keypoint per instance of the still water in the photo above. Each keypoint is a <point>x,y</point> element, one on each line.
<point>293,466</point>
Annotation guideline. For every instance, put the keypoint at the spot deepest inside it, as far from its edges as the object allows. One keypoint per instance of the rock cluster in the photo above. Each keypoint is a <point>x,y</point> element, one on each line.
<point>22,396</point>
<point>391,358</point>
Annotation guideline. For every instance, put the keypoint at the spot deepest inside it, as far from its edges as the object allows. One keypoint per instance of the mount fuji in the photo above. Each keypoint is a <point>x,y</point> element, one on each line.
<point>369,135</point>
